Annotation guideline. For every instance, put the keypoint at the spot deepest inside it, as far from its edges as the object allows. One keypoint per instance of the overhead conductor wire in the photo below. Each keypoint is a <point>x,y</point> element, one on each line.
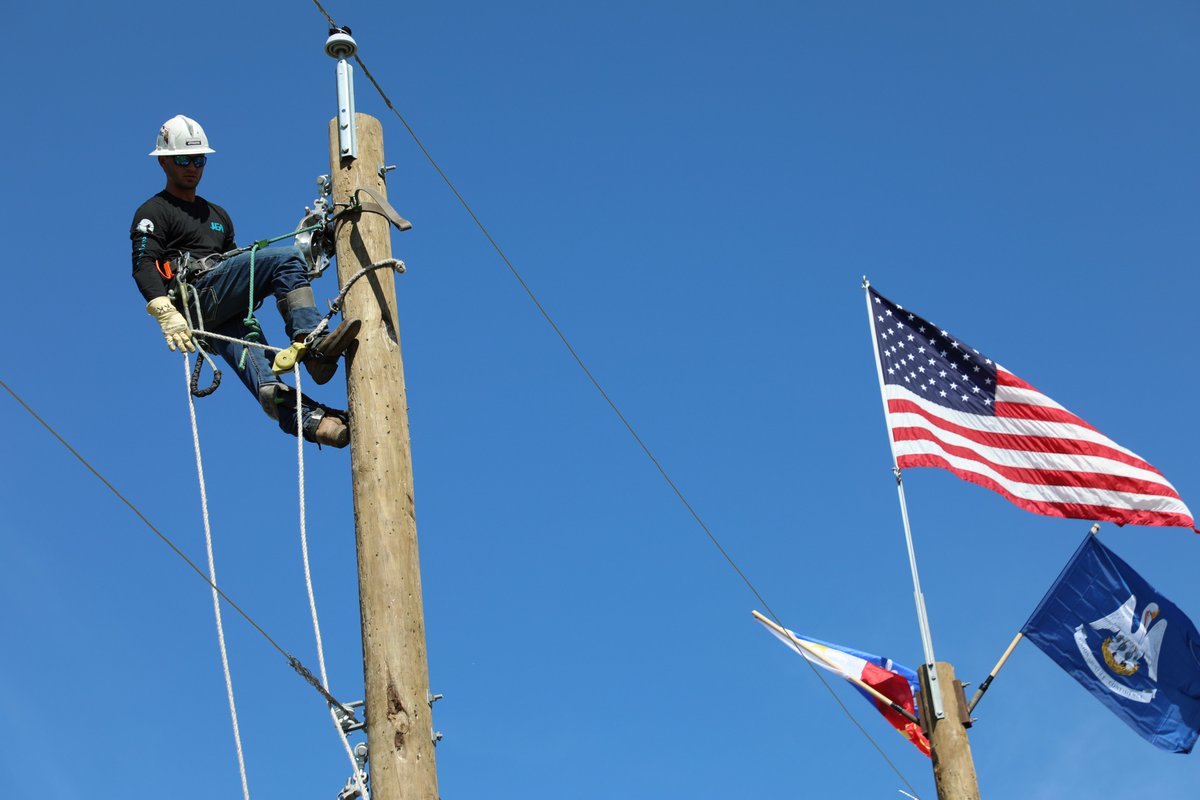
<point>596,383</point>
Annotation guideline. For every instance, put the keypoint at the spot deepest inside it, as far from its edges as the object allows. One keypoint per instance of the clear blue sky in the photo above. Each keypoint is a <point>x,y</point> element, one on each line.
<point>694,190</point>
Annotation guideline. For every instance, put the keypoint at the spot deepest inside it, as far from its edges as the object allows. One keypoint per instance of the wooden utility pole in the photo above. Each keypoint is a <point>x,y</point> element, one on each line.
<point>399,726</point>
<point>953,767</point>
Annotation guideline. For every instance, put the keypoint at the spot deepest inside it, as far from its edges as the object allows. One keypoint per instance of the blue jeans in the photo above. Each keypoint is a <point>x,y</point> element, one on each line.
<point>223,294</point>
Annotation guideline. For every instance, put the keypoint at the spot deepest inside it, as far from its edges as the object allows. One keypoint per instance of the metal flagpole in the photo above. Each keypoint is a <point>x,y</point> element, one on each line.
<point>935,692</point>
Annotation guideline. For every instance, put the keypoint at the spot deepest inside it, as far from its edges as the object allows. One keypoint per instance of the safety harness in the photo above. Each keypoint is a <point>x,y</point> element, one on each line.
<point>315,241</point>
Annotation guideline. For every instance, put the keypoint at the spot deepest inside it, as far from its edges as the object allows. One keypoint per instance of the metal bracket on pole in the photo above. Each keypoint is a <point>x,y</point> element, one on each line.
<point>346,719</point>
<point>435,736</point>
<point>935,691</point>
<point>340,46</point>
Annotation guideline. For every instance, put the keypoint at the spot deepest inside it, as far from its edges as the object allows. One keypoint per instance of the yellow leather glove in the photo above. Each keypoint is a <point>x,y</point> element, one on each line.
<point>174,327</point>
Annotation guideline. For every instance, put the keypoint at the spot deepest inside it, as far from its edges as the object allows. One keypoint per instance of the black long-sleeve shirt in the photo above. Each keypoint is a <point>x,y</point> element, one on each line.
<point>165,227</point>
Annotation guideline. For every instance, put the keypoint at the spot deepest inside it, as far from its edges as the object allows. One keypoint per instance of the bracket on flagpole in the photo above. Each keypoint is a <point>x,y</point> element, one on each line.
<point>936,707</point>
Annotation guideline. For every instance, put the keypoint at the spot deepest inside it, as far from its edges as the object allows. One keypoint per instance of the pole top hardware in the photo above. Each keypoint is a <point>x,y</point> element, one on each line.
<point>340,44</point>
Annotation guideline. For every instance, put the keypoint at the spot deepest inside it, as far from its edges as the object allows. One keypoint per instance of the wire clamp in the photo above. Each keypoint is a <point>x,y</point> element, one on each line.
<point>344,714</point>
<point>350,790</point>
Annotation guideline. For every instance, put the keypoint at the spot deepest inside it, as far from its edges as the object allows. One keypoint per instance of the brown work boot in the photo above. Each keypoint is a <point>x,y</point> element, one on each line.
<point>327,426</point>
<point>321,360</point>
<point>333,432</point>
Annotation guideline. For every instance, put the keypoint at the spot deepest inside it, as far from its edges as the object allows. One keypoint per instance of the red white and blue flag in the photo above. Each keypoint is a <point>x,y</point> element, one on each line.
<point>894,681</point>
<point>949,406</point>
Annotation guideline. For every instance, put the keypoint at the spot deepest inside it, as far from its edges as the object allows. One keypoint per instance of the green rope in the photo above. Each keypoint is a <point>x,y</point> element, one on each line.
<point>253,328</point>
<point>254,332</point>
<point>265,242</point>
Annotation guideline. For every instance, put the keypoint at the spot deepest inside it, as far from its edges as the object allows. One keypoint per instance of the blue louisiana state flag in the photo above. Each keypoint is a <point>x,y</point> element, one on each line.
<point>1125,643</point>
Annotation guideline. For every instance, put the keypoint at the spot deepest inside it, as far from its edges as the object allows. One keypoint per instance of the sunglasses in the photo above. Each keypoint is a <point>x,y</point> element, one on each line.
<point>196,161</point>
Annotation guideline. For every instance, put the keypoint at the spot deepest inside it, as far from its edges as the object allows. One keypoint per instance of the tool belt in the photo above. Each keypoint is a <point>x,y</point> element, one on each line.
<point>191,267</point>
<point>186,268</point>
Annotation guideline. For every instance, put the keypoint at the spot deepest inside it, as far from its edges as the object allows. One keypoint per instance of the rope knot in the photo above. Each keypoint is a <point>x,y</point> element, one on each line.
<point>254,333</point>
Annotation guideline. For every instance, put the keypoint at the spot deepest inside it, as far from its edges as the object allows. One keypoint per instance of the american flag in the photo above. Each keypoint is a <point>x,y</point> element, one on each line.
<point>949,406</point>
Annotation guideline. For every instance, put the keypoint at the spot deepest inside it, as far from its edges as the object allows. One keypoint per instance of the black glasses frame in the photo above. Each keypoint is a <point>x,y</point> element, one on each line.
<point>196,161</point>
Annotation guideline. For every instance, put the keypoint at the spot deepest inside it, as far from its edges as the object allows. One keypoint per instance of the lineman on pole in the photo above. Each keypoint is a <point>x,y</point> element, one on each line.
<point>176,231</point>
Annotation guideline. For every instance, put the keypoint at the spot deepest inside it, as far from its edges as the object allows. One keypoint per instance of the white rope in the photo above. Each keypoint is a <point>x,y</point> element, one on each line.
<point>312,602</point>
<point>259,345</point>
<point>212,575</point>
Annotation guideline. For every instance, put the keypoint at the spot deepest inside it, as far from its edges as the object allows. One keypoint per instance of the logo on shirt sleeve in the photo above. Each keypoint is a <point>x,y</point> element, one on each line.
<point>145,227</point>
<point>218,227</point>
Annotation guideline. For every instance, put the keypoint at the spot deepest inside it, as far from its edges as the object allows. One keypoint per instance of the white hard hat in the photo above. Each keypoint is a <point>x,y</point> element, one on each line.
<point>181,136</point>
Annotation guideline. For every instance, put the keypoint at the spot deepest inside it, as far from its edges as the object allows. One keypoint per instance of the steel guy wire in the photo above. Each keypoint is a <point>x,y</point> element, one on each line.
<point>293,662</point>
<point>596,383</point>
